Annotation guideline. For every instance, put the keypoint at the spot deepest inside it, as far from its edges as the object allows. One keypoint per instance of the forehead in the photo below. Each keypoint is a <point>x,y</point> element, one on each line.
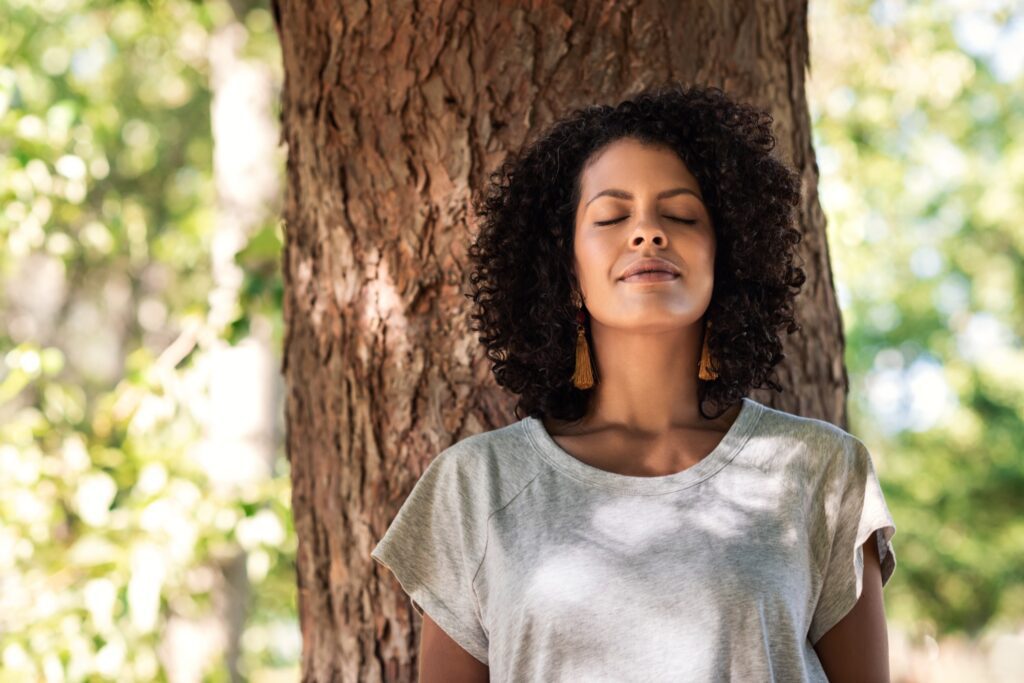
<point>628,162</point>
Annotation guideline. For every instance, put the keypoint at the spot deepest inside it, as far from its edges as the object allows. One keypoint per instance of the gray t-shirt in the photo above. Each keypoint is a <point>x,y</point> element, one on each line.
<point>548,569</point>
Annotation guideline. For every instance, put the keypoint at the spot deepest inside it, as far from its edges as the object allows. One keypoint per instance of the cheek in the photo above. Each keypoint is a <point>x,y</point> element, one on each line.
<point>702,250</point>
<point>593,257</point>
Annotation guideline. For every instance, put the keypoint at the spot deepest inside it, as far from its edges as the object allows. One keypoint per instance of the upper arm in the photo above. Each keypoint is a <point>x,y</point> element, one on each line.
<point>442,660</point>
<point>857,647</point>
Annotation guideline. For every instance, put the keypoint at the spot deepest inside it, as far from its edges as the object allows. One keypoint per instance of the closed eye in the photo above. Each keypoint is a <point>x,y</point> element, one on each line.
<point>671,218</point>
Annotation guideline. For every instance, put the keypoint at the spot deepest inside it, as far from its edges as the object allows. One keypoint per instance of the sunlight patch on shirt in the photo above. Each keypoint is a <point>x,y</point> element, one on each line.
<point>633,524</point>
<point>567,578</point>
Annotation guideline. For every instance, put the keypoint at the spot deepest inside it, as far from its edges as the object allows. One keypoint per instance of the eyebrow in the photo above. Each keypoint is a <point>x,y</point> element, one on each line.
<point>622,194</point>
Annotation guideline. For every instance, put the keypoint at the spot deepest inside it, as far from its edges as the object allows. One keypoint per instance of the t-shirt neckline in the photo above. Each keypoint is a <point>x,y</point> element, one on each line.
<point>730,445</point>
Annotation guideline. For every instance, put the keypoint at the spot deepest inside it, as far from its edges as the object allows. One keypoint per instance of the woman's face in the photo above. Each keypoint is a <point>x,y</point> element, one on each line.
<point>639,201</point>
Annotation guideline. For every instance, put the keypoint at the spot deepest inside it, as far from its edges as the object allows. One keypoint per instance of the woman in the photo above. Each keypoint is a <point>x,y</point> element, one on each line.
<point>634,264</point>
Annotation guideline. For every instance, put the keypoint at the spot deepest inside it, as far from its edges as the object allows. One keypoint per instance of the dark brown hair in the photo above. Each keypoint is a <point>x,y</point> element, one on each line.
<point>521,283</point>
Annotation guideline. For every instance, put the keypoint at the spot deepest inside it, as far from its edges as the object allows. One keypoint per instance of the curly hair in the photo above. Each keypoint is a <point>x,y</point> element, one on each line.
<point>521,280</point>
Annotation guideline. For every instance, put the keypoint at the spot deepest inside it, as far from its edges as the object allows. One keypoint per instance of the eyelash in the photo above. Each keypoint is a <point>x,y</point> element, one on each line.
<point>678,220</point>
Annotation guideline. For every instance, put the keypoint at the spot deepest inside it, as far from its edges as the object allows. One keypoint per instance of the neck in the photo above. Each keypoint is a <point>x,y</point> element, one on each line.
<point>648,381</point>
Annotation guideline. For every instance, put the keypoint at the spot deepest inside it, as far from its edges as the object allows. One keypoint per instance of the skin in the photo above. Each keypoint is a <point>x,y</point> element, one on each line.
<point>442,660</point>
<point>644,418</point>
<point>647,338</point>
<point>857,648</point>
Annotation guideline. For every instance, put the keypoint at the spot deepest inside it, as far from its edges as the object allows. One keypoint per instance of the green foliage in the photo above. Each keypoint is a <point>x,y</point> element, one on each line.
<point>262,288</point>
<point>109,522</point>
<point>920,141</point>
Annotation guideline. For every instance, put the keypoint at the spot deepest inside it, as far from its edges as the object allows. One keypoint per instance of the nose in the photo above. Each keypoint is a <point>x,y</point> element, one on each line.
<point>650,232</point>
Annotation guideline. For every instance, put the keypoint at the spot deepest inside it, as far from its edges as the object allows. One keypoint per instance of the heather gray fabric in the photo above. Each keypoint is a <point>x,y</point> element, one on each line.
<point>548,569</point>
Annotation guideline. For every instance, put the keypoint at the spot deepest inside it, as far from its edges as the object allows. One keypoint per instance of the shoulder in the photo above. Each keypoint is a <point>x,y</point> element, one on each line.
<point>489,467</point>
<point>820,445</point>
<point>813,430</point>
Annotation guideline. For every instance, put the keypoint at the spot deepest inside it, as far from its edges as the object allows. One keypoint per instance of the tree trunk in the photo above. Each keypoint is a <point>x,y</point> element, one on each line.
<point>392,112</point>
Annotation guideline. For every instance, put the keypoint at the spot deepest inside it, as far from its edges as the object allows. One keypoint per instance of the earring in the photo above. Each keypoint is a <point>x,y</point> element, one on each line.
<point>583,376</point>
<point>704,369</point>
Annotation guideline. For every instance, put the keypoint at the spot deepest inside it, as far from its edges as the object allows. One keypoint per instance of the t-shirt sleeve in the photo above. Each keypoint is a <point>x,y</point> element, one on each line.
<point>859,513</point>
<point>434,547</point>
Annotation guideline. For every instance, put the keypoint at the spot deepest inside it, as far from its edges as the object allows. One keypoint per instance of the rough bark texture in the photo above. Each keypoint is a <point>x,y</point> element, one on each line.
<point>391,113</point>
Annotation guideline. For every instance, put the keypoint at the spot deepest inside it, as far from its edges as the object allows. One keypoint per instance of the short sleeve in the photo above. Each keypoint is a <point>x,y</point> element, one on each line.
<point>434,547</point>
<point>861,512</point>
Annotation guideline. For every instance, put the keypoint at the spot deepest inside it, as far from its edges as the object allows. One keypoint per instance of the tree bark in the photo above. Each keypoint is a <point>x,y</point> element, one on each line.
<point>392,112</point>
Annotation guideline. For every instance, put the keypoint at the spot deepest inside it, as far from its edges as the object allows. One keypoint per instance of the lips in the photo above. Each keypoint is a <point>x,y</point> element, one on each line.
<point>651,276</point>
<point>646,265</point>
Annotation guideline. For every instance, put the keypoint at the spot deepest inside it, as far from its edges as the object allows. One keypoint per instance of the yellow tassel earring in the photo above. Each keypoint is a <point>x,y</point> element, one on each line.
<point>704,369</point>
<point>583,377</point>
